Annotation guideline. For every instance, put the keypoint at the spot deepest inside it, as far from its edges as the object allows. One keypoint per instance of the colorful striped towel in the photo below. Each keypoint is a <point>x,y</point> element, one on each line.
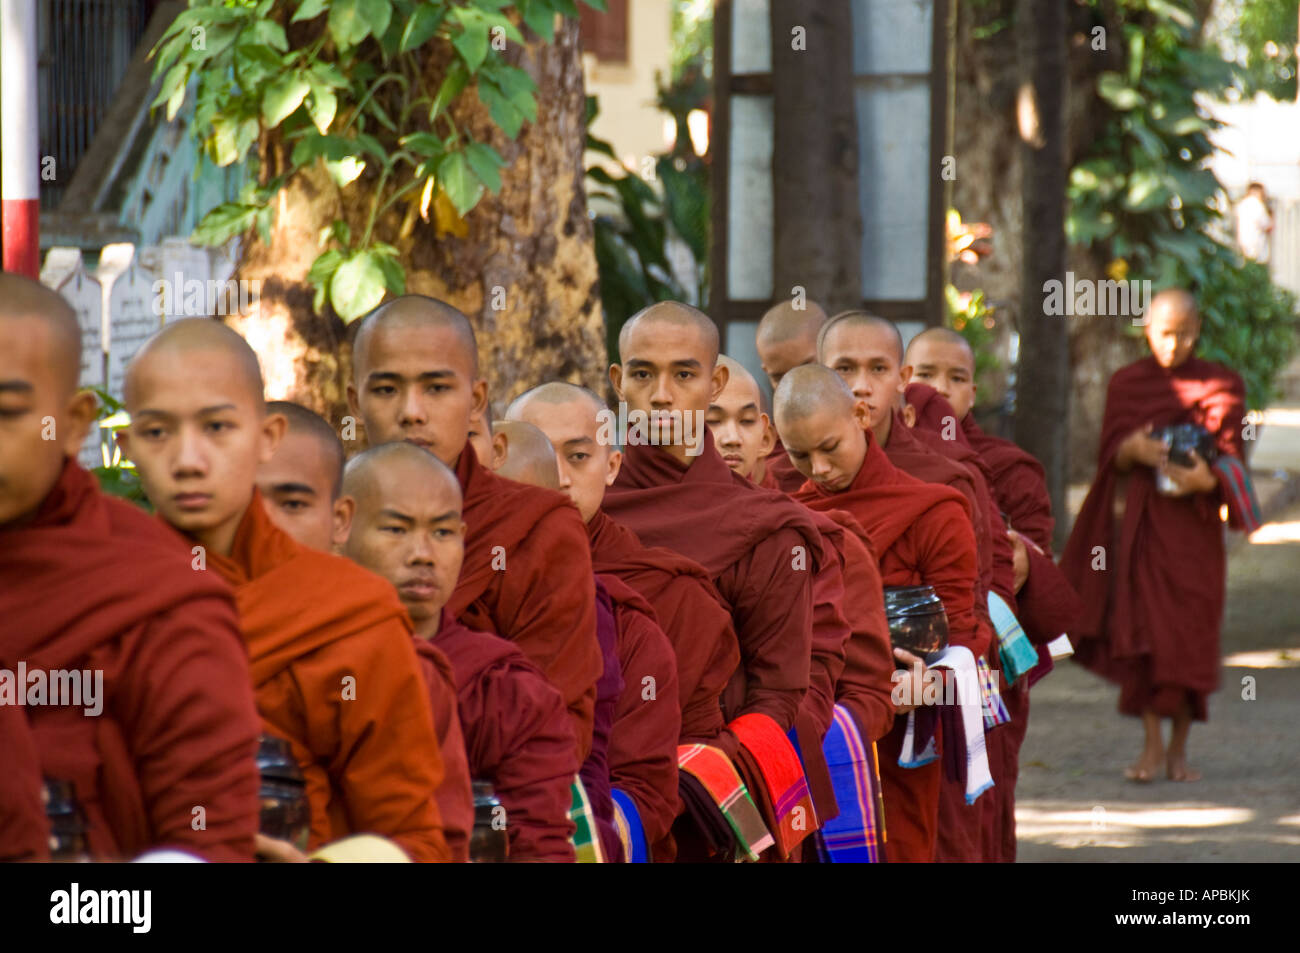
<point>1239,493</point>
<point>1017,653</point>
<point>714,770</point>
<point>586,836</point>
<point>918,738</point>
<point>995,709</point>
<point>627,819</point>
<point>780,774</point>
<point>853,837</point>
<point>959,660</point>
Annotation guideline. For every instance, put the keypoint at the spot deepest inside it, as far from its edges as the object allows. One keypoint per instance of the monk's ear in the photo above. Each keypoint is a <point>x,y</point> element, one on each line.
<point>612,466</point>
<point>906,373</point>
<point>861,415</point>
<point>909,416</point>
<point>768,443</point>
<point>344,509</point>
<point>721,374</point>
<point>500,450</point>
<point>353,400</point>
<point>616,379</point>
<point>479,398</point>
<point>273,431</point>
<point>78,418</point>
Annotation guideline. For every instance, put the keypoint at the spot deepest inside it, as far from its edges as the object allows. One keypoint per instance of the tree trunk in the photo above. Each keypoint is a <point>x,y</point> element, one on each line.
<point>817,235</point>
<point>524,269</point>
<point>1042,407</point>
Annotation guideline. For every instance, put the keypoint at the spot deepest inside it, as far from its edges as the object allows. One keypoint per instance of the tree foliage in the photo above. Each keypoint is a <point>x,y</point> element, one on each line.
<point>347,84</point>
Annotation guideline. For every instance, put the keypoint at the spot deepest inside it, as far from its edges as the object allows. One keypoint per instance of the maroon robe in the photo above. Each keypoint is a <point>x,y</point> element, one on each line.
<point>527,577</point>
<point>761,551</point>
<point>455,794</point>
<point>1154,612</point>
<point>92,583</point>
<point>779,473</point>
<point>517,736</point>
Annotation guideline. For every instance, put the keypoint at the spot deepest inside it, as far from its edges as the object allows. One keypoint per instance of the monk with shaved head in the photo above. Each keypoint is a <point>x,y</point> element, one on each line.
<point>741,427</point>
<point>921,534</point>
<point>786,338</point>
<point>408,528</point>
<point>525,576</point>
<point>1153,611</point>
<point>526,455</point>
<point>761,550</point>
<point>1044,602</point>
<point>329,647</point>
<point>302,489</point>
<point>91,583</point>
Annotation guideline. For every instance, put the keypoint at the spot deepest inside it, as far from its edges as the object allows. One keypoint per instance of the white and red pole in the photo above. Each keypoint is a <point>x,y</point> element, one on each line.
<point>20,160</point>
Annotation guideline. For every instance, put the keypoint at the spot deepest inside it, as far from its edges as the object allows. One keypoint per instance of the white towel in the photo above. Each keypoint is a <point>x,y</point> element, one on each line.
<point>959,660</point>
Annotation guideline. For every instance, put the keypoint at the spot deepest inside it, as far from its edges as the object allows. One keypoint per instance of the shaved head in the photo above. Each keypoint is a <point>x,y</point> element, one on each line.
<point>823,426</point>
<point>190,337</point>
<point>308,423</point>
<point>672,313</point>
<point>302,482</point>
<point>529,456</point>
<point>943,359</point>
<point>742,430</point>
<point>810,389</point>
<point>21,297</point>
<point>361,477</point>
<point>414,311</point>
<point>554,394</point>
<point>787,337</point>
<point>847,320</point>
<point>1173,327</point>
<point>741,378</point>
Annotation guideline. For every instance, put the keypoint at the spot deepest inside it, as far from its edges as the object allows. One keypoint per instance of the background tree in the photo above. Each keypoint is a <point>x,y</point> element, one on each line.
<point>431,146</point>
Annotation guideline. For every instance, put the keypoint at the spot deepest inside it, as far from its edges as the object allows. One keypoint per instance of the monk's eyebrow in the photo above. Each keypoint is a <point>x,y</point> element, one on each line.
<point>395,515</point>
<point>578,442</point>
<point>444,517</point>
<point>375,377</point>
<point>216,409</point>
<point>637,363</point>
<point>293,488</point>
<point>691,363</point>
<point>16,387</point>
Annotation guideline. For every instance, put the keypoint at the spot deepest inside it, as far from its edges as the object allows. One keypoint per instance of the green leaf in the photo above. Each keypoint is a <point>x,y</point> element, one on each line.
<point>504,113</point>
<point>378,14</point>
<point>230,139</point>
<point>1112,88</point>
<point>539,17</point>
<point>255,64</point>
<point>423,144</point>
<point>486,163</point>
<point>323,268</point>
<point>282,97</point>
<point>421,27</point>
<point>394,273</point>
<point>223,223</point>
<point>312,145</point>
<point>173,84</point>
<point>452,85</point>
<point>266,33</point>
<point>471,42</point>
<point>309,10</point>
<point>322,106</point>
<point>459,182</point>
<point>344,171</point>
<point>347,22</point>
<point>357,286</point>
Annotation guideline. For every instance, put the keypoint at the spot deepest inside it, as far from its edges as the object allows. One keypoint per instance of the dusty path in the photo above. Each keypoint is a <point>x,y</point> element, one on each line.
<point>1074,804</point>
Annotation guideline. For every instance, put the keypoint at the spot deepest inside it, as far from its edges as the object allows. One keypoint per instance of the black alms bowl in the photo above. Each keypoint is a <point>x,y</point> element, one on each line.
<point>1184,438</point>
<point>917,621</point>
<point>286,813</point>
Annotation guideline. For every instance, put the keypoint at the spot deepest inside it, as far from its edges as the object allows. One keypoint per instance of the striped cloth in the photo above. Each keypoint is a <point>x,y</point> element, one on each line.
<point>780,772</point>
<point>857,834</point>
<point>714,770</point>
<point>586,836</point>
<point>1017,653</point>
<point>959,660</point>
<point>1239,494</point>
<point>627,820</point>
<point>995,709</point>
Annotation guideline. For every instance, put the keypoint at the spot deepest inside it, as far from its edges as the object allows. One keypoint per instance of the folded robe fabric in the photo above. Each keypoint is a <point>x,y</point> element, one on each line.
<point>791,816</point>
<point>970,729</point>
<point>627,819</point>
<point>586,834</point>
<point>1239,493</point>
<point>1016,652</point>
<point>995,709</point>
<point>718,775</point>
<point>855,835</point>
<point>712,824</point>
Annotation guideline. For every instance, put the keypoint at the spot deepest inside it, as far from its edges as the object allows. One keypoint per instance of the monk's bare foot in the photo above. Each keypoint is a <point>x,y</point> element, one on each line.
<point>1177,770</point>
<point>1143,771</point>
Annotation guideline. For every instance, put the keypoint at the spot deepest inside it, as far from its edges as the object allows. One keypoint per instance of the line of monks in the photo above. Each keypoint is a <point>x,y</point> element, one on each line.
<point>668,652</point>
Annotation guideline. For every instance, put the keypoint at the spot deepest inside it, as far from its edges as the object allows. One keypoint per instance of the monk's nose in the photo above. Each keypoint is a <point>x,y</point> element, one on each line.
<point>189,453</point>
<point>412,408</point>
<point>662,395</point>
<point>565,481</point>
<point>862,385</point>
<point>727,434</point>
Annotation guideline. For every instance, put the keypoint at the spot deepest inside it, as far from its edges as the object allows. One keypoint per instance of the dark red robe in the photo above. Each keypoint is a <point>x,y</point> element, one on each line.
<point>922,535</point>
<point>647,718</point>
<point>527,577</point>
<point>1154,611</point>
<point>779,473</point>
<point>455,794</point>
<point>518,737</point>
<point>761,551</point>
<point>92,583</point>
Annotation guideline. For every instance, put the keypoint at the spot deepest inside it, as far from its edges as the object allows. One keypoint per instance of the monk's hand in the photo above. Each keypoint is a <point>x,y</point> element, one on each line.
<point>1141,447</point>
<point>908,685</point>
<point>278,851</point>
<point>1019,558</point>
<point>1198,478</point>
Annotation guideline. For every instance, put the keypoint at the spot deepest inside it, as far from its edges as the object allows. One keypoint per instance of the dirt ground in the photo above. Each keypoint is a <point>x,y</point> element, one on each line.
<point>1073,801</point>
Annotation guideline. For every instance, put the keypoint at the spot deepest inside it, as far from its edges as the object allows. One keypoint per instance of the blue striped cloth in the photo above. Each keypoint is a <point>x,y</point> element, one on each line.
<point>627,819</point>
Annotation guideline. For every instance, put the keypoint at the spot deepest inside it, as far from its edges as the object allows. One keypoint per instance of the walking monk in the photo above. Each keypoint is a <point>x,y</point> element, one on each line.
<point>302,487</point>
<point>1147,559</point>
<point>329,645</point>
<point>922,535</point>
<point>1046,606</point>
<point>786,338</point>
<point>89,582</point>
<point>642,751</point>
<point>518,736</point>
<point>527,573</point>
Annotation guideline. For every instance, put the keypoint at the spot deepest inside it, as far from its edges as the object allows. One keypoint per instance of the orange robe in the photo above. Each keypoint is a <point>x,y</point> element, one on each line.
<point>91,583</point>
<point>334,672</point>
<point>527,577</point>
